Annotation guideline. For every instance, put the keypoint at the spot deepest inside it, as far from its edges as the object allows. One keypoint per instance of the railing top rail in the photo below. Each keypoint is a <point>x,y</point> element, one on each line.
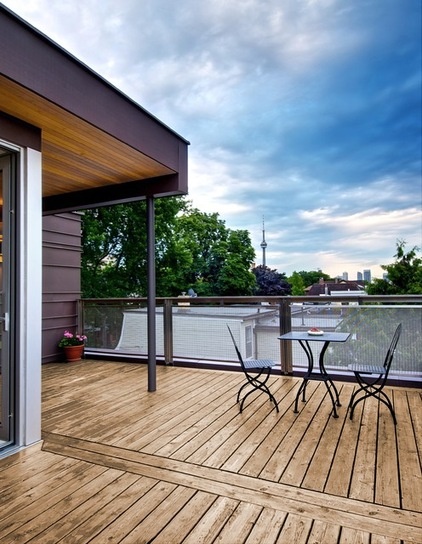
<point>360,299</point>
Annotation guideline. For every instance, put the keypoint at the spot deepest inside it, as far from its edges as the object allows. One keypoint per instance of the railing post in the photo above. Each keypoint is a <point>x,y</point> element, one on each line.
<point>80,316</point>
<point>168,332</point>
<point>285,317</point>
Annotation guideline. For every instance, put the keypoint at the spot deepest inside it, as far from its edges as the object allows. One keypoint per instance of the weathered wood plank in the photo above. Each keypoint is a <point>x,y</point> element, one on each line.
<point>240,524</point>
<point>204,472</point>
<point>296,529</point>
<point>408,459</point>
<point>186,519</point>
<point>296,428</point>
<point>87,509</point>
<point>104,520</point>
<point>123,525</point>
<point>387,489</point>
<point>269,494</point>
<point>323,533</point>
<point>362,484</point>
<point>212,522</point>
<point>267,527</point>
<point>35,516</point>
<point>163,513</point>
<point>340,475</point>
<point>353,536</point>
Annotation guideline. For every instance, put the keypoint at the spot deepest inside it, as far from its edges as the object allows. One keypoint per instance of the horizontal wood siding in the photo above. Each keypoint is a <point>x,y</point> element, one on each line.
<point>61,279</point>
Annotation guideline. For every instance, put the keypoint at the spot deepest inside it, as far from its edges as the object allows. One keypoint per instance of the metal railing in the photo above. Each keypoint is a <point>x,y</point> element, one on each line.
<point>193,330</point>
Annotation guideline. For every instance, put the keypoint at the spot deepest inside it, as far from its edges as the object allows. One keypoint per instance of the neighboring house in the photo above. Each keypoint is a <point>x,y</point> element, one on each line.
<point>69,141</point>
<point>195,330</point>
<point>333,287</point>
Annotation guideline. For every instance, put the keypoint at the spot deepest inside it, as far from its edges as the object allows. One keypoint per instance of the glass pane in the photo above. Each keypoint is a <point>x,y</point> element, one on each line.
<point>5,173</point>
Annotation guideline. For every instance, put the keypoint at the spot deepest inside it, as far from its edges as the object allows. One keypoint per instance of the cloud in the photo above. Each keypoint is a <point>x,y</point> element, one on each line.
<point>306,112</point>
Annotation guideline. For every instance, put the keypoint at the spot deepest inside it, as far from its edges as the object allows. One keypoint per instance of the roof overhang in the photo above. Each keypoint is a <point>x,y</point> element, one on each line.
<point>98,146</point>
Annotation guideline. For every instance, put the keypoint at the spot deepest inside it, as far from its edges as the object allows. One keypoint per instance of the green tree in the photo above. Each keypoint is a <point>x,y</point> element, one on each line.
<point>193,250</point>
<point>297,283</point>
<point>235,278</point>
<point>270,282</point>
<point>312,276</point>
<point>221,257</point>
<point>114,241</point>
<point>404,276</point>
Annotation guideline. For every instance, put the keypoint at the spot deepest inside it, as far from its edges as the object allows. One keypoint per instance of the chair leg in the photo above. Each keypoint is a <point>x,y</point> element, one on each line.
<point>241,389</point>
<point>382,397</point>
<point>257,385</point>
<point>379,395</point>
<point>353,404</point>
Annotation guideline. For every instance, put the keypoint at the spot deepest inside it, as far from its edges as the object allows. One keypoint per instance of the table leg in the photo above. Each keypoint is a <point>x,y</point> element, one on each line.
<point>322,375</point>
<point>302,389</point>
<point>329,384</point>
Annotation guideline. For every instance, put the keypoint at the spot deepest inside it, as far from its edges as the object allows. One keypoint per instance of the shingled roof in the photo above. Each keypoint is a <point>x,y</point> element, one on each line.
<point>328,287</point>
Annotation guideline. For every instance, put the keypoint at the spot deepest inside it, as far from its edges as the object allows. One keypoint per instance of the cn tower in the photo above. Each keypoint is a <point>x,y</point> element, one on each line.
<point>263,243</point>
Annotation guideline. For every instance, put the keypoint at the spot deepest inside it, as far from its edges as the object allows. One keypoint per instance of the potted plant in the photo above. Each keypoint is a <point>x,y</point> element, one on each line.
<point>73,345</point>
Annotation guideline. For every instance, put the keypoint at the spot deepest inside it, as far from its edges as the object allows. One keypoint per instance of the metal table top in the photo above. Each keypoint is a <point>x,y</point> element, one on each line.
<point>326,337</point>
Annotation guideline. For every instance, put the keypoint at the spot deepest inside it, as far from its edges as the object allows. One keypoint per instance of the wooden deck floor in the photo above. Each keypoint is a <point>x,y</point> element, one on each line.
<point>120,465</point>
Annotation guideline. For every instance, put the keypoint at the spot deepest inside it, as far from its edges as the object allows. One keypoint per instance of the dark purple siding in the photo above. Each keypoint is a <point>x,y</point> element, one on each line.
<point>61,280</point>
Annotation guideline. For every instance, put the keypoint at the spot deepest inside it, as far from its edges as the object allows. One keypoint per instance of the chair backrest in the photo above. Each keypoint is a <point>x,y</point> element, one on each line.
<point>239,355</point>
<point>391,350</point>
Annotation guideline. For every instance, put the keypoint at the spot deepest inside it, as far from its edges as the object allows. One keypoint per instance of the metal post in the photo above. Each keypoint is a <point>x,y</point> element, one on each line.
<point>285,345</point>
<point>168,332</point>
<point>151,294</point>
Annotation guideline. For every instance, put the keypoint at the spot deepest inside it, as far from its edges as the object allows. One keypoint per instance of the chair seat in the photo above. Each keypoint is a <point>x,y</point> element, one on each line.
<point>258,363</point>
<point>367,369</point>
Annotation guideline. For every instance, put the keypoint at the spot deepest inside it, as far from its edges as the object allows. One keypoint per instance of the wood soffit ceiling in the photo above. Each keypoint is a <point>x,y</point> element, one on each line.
<point>76,155</point>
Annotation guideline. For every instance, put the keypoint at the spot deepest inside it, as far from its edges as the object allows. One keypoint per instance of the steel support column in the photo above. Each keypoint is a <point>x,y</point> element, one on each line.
<point>151,294</point>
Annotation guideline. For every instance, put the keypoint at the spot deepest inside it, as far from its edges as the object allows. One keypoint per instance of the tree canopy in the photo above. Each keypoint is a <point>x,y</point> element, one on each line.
<point>311,276</point>
<point>297,283</point>
<point>270,282</point>
<point>404,275</point>
<point>193,250</point>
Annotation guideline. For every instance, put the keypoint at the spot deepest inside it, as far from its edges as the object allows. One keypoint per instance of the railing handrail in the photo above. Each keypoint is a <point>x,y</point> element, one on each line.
<point>266,298</point>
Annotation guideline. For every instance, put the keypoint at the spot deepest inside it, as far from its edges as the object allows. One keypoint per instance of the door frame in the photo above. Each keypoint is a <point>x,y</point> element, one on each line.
<point>25,345</point>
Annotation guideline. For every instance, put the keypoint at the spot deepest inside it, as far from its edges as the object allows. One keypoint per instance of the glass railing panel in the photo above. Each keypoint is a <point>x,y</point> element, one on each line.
<point>199,332</point>
<point>103,322</point>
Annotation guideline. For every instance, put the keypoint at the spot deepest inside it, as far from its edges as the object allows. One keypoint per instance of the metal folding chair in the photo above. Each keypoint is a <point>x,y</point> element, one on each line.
<point>372,379</point>
<point>257,373</point>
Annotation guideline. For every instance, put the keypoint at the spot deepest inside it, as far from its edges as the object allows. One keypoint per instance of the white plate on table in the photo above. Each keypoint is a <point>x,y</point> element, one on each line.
<point>315,333</point>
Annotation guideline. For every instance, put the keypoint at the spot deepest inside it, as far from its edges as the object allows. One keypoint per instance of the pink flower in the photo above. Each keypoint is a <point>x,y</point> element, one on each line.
<point>70,339</point>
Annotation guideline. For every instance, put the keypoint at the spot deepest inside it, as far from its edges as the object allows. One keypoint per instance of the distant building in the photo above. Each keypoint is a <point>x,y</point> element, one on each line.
<point>339,286</point>
<point>359,276</point>
<point>367,276</point>
<point>195,329</point>
<point>345,276</point>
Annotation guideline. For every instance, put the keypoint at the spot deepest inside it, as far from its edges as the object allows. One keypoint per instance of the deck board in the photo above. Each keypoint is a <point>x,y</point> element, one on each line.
<point>182,465</point>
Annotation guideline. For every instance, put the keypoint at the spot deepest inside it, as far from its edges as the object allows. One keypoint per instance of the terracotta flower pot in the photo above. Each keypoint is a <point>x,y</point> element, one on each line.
<point>73,353</point>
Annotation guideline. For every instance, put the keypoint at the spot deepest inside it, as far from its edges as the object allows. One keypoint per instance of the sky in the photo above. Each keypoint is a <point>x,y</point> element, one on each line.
<point>305,114</point>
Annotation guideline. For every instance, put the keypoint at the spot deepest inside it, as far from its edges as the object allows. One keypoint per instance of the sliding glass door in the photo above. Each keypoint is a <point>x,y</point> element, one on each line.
<point>7,375</point>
